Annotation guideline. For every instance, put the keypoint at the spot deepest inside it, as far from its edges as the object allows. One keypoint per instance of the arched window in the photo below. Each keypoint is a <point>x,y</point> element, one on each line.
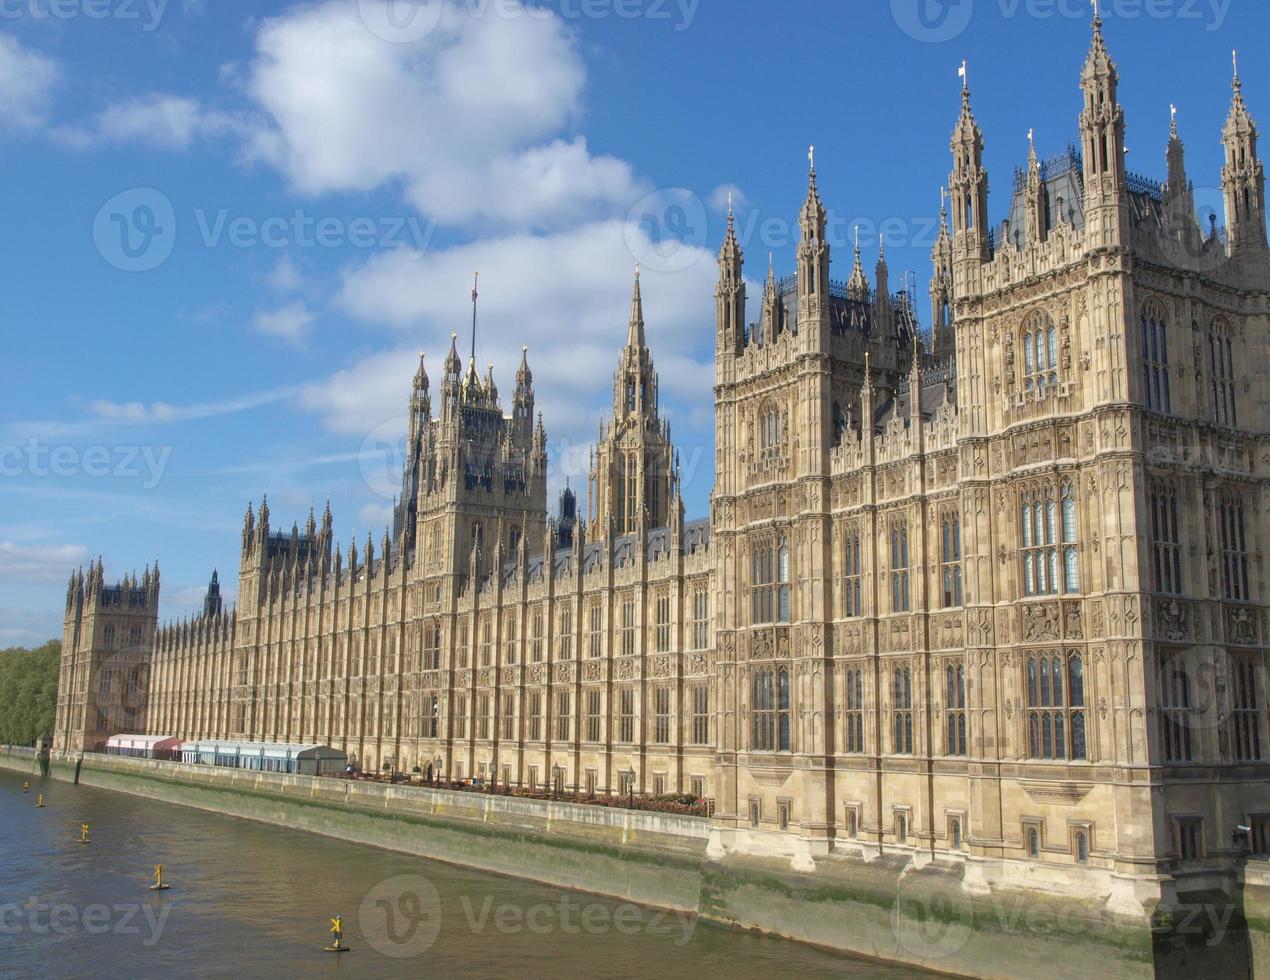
<point>955,708</point>
<point>1040,352</point>
<point>950,559</point>
<point>899,569</point>
<point>770,711</point>
<point>1221,372</point>
<point>769,429</point>
<point>854,714</point>
<point>852,593</point>
<point>1046,526</point>
<point>1166,539</point>
<point>770,586</point>
<point>1155,359</point>
<point>902,711</point>
<point>1056,706</point>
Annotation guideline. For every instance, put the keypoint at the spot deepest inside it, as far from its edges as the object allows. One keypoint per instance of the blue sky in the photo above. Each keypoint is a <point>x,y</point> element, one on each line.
<point>229,228</point>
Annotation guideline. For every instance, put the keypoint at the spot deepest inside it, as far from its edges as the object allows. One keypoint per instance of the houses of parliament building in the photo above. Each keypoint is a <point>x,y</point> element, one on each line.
<point>994,592</point>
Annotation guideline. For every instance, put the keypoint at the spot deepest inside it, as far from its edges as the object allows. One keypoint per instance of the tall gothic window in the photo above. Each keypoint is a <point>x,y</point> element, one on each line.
<point>535,716</point>
<point>460,716</point>
<point>536,638</point>
<point>1175,709</point>
<point>854,715</point>
<point>565,642</point>
<point>955,708</point>
<point>487,642</point>
<point>700,714</point>
<point>595,632</point>
<point>1040,352</point>
<point>628,627</point>
<point>510,630</point>
<point>1234,548</point>
<point>1049,536</point>
<point>852,572</point>
<point>950,559</point>
<point>1056,706</point>
<point>1246,716</point>
<point>661,715</point>
<point>902,711</point>
<point>432,646</point>
<point>626,715</point>
<point>899,569</point>
<point>1166,539</point>
<point>769,430</point>
<point>1155,360</point>
<point>770,591</point>
<point>509,717</point>
<point>661,631</point>
<point>482,717</point>
<point>770,711</point>
<point>593,718</point>
<point>700,619</point>
<point>1221,373</point>
<point>564,717</point>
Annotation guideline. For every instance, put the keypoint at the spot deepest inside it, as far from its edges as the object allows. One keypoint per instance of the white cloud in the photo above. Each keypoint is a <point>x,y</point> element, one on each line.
<point>290,321</point>
<point>468,119</point>
<point>25,562</point>
<point>285,277</point>
<point>727,194</point>
<point>158,120</point>
<point>565,295</point>
<point>27,80</point>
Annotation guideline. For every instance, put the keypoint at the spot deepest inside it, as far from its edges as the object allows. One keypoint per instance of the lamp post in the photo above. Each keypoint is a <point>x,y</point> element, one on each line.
<point>557,781</point>
<point>630,788</point>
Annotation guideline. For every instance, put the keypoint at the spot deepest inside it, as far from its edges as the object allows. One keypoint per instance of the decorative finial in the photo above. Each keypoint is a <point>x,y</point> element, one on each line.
<point>943,199</point>
<point>964,74</point>
<point>1173,120</point>
<point>636,268</point>
<point>811,157</point>
<point>729,204</point>
<point>1097,14</point>
<point>1234,60</point>
<point>1031,138</point>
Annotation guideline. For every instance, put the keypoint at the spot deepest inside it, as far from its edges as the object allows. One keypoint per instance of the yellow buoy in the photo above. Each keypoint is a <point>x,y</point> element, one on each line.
<point>159,885</point>
<point>83,833</point>
<point>337,932</point>
<point>39,800</point>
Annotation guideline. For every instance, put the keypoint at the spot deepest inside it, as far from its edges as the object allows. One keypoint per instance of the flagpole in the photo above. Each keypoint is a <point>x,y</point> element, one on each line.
<point>476,278</point>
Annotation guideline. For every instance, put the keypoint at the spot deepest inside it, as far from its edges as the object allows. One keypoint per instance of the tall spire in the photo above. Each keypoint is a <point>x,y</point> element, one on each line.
<point>1243,176</point>
<point>730,292</point>
<point>635,335</point>
<point>476,278</point>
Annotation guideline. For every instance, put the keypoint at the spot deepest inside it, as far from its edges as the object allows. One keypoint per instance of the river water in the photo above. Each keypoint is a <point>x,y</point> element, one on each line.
<point>252,900</point>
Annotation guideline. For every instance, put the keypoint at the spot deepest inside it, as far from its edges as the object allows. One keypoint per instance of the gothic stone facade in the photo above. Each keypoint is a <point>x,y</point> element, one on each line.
<point>998,597</point>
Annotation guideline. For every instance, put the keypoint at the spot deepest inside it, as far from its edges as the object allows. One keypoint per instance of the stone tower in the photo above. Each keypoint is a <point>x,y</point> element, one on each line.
<point>634,476</point>
<point>104,677</point>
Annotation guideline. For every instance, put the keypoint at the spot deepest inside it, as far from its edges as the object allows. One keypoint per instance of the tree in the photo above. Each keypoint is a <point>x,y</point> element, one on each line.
<point>28,692</point>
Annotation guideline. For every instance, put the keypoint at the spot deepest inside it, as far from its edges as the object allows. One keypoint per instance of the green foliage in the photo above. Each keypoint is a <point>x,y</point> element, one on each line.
<point>28,692</point>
